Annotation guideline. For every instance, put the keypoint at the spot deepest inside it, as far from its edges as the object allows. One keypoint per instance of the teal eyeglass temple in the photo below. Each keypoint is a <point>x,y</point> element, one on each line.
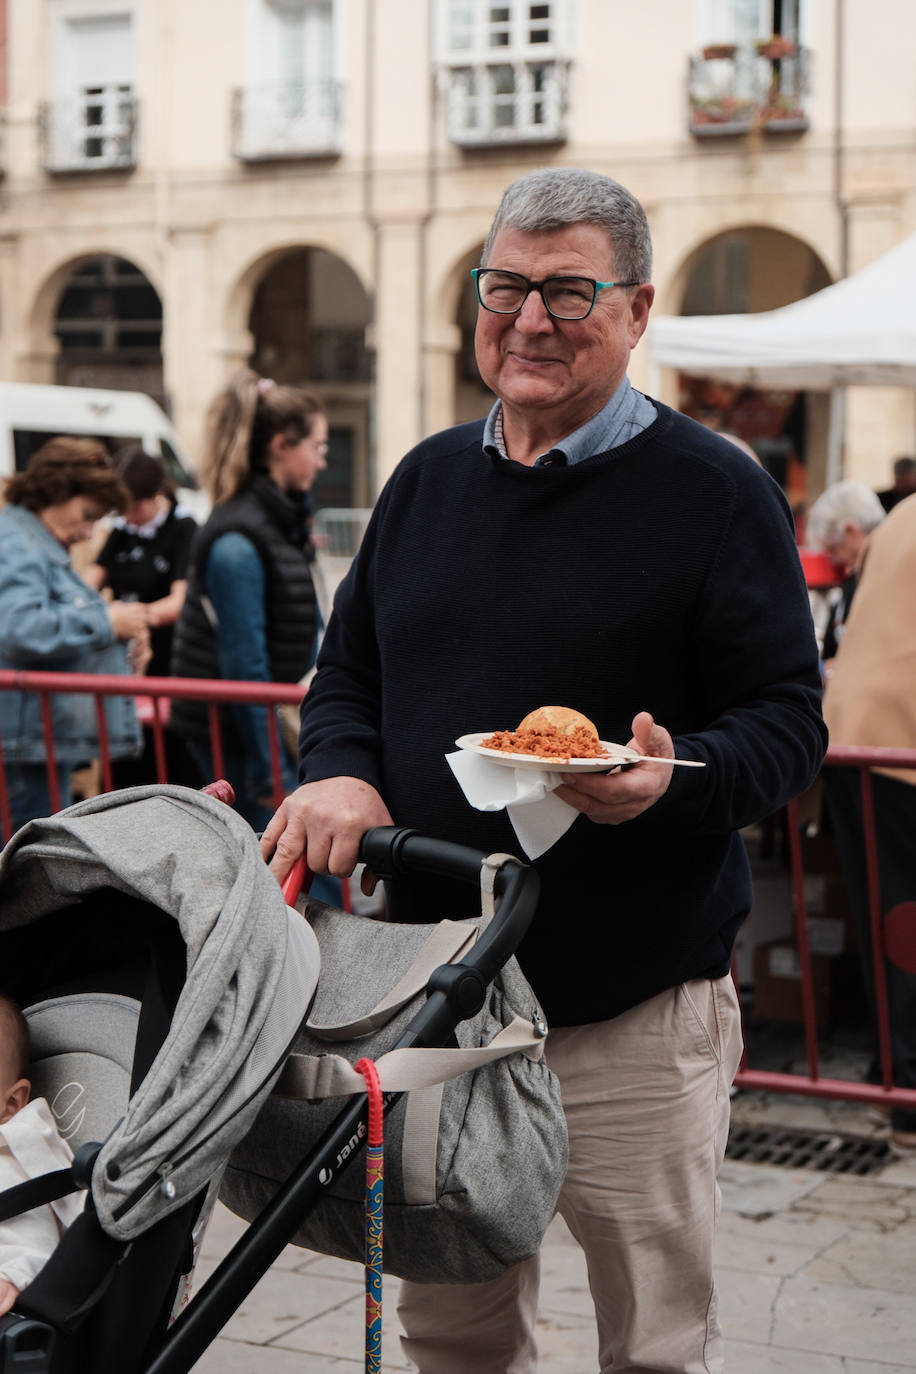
<point>539,286</point>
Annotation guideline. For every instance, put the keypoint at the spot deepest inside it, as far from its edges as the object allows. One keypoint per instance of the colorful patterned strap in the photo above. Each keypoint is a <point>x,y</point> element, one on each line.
<point>374,1201</point>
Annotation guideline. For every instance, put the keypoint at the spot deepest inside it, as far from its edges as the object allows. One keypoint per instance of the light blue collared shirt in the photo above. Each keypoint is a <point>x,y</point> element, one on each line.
<point>625,415</point>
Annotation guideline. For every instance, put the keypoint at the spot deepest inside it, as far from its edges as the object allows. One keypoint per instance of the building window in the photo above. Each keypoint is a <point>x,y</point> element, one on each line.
<point>505,68</point>
<point>91,125</point>
<point>291,103</point>
<point>751,67</point>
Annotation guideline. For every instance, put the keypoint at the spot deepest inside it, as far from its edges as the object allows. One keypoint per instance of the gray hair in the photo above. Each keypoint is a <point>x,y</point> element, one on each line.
<point>845,503</point>
<point>556,197</point>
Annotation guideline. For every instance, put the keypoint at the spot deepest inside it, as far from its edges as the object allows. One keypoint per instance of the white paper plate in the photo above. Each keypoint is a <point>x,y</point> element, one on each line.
<point>616,754</point>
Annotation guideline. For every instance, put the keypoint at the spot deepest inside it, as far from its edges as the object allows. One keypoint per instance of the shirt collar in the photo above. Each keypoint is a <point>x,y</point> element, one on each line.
<point>603,431</point>
<point>147,531</point>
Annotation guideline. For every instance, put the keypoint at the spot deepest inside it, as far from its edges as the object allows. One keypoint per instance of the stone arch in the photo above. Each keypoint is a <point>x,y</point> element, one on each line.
<point>300,313</point>
<point>671,289</point>
<point>461,394</point>
<point>252,271</point>
<point>742,268</point>
<point>39,361</point>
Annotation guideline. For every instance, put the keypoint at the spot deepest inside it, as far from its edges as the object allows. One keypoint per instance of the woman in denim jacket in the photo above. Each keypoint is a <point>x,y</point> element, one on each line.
<point>51,620</point>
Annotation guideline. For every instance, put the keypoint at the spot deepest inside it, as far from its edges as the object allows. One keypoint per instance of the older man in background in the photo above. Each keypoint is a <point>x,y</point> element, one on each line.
<point>840,522</point>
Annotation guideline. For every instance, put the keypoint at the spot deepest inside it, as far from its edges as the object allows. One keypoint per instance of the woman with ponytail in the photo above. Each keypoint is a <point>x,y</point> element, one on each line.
<point>250,612</point>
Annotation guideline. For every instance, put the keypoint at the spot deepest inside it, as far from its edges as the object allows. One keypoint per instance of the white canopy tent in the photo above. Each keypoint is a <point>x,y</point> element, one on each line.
<point>859,332</point>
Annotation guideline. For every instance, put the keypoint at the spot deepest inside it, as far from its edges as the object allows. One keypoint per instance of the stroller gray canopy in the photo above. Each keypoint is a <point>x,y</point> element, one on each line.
<point>251,971</point>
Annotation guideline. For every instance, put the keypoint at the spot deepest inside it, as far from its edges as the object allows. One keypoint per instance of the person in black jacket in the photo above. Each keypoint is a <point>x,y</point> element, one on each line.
<point>583,546</point>
<point>145,559</point>
<point>250,612</point>
<point>904,483</point>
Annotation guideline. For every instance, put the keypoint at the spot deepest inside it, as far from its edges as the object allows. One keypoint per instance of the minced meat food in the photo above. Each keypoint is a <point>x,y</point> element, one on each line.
<point>547,743</point>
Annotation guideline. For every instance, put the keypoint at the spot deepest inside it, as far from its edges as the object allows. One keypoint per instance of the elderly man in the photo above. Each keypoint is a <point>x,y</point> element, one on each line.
<point>840,522</point>
<point>583,545</point>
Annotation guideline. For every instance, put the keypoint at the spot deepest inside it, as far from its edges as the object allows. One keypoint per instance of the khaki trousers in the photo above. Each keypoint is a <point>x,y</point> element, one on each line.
<point>646,1097</point>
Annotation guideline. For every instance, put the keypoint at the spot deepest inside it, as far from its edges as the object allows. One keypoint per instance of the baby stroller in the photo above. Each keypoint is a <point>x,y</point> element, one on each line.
<point>164,978</point>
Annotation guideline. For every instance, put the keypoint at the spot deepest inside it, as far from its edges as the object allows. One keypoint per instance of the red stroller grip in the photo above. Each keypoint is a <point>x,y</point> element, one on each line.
<point>298,877</point>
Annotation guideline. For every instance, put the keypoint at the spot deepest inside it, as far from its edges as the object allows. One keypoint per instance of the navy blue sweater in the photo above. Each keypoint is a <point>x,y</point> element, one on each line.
<point>659,576</point>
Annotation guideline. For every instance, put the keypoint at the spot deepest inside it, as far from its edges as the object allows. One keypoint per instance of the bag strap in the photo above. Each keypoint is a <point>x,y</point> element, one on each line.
<point>489,869</point>
<point>447,941</point>
<point>315,1076</point>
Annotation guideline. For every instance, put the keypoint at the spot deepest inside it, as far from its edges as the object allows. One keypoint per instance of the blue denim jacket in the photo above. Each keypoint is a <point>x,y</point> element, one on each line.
<point>50,620</point>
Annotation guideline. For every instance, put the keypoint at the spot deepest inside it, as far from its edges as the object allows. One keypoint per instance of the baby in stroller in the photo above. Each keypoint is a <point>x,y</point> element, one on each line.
<point>30,1145</point>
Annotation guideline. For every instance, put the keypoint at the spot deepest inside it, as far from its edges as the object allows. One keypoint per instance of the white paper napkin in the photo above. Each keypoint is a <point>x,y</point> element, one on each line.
<point>538,818</point>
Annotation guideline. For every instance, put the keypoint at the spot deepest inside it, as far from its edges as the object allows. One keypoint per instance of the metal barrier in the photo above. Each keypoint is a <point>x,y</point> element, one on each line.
<point>154,690</point>
<point>902,952</point>
<point>336,534</point>
<point>216,694</point>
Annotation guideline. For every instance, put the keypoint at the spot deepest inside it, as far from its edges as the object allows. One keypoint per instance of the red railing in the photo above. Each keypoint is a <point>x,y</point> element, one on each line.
<point>216,694</point>
<point>154,694</point>
<point>901,952</point>
<point>155,690</point>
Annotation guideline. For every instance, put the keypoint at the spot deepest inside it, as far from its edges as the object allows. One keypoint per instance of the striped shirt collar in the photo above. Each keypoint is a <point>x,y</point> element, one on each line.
<point>626,414</point>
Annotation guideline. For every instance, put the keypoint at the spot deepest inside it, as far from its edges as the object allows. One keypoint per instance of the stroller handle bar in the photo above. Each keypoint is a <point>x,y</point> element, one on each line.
<point>391,850</point>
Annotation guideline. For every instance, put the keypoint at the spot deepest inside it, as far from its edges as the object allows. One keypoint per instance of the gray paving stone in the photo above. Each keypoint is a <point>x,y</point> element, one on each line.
<point>340,1333</point>
<point>836,1319</point>
<point>746,1304</point>
<point>759,1190</point>
<point>865,1259</point>
<point>869,1367</point>
<point>901,1172</point>
<point>282,1302</point>
<point>811,1232</point>
<point>859,1203</point>
<point>743,1357</point>
<point>742,1246</point>
<point>237,1357</point>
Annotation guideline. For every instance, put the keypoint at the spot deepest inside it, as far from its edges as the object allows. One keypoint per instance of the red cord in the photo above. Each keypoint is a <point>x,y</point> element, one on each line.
<point>373,1089</point>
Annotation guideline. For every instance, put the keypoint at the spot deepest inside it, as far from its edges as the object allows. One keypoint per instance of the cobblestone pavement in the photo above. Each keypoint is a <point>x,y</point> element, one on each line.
<point>817,1275</point>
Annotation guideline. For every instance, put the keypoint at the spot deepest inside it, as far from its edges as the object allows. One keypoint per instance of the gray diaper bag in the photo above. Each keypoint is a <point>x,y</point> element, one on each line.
<point>475,1150</point>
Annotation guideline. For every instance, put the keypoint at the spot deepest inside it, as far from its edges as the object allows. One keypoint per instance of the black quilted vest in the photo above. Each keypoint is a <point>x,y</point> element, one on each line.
<point>272,521</point>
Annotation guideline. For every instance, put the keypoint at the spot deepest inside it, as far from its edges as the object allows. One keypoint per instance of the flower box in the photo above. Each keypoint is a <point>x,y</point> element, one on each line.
<point>775,48</point>
<point>716,51</point>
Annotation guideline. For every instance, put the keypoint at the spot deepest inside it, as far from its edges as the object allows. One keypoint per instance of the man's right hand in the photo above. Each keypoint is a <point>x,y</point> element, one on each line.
<point>325,821</point>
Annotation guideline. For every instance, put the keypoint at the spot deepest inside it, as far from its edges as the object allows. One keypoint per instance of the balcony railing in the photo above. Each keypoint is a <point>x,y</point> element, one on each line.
<point>508,102</point>
<point>94,131</point>
<point>286,119</point>
<point>733,90</point>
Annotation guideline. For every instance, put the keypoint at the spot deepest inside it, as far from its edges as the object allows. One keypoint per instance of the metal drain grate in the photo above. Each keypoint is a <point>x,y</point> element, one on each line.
<point>829,1151</point>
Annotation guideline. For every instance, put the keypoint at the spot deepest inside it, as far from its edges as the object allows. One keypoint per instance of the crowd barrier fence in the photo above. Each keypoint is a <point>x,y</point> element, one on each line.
<point>155,694</point>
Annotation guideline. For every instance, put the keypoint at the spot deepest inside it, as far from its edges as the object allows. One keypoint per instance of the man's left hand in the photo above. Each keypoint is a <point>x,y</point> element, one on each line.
<point>611,798</point>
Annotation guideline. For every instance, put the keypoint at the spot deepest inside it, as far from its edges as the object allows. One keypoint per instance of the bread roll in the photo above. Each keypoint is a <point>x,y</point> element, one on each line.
<point>562,718</point>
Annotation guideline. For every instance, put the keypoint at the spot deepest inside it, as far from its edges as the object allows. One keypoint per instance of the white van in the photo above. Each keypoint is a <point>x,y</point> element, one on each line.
<point>31,414</point>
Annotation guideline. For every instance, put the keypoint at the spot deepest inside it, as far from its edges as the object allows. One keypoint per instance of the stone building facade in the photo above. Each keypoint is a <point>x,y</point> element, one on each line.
<point>189,185</point>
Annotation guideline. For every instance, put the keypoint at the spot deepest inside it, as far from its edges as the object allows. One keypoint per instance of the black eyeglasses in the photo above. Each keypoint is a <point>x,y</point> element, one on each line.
<point>566,298</point>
